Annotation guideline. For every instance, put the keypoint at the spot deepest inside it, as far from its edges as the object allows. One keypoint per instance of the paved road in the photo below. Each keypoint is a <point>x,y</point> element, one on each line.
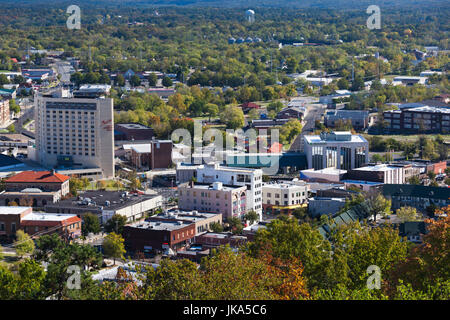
<point>64,68</point>
<point>314,112</point>
<point>28,114</point>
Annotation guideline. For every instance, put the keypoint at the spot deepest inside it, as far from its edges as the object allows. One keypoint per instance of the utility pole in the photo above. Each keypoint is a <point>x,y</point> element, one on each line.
<point>353,70</point>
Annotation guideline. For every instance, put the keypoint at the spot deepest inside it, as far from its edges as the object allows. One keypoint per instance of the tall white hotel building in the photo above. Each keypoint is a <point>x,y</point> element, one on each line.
<point>75,133</point>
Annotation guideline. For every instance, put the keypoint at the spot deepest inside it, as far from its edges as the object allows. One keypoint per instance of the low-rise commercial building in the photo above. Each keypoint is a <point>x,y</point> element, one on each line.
<point>132,132</point>
<point>67,225</point>
<point>383,173</point>
<point>157,154</point>
<point>419,118</point>
<point>202,220</point>
<point>418,196</point>
<point>105,204</point>
<point>358,119</point>
<point>158,235</point>
<point>318,206</point>
<point>231,176</point>
<point>283,197</point>
<point>218,198</point>
<point>341,150</point>
<point>323,175</point>
<point>36,224</point>
<point>10,218</point>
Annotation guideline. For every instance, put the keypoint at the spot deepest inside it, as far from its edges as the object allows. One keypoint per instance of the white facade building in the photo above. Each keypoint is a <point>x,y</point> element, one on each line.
<point>340,150</point>
<point>251,178</point>
<point>75,133</point>
<point>284,196</point>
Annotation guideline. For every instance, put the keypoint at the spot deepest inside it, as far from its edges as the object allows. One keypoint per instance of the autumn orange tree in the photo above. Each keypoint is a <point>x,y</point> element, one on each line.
<point>226,275</point>
<point>428,264</point>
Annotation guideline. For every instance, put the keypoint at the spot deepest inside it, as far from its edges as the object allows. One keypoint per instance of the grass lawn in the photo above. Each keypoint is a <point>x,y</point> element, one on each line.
<point>410,138</point>
<point>109,186</point>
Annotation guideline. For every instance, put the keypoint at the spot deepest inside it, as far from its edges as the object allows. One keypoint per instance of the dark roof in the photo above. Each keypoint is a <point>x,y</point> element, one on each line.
<point>417,191</point>
<point>8,161</point>
<point>412,228</point>
<point>117,200</point>
<point>269,123</point>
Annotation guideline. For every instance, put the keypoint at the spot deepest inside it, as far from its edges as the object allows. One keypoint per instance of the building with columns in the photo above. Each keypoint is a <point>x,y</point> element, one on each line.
<point>340,150</point>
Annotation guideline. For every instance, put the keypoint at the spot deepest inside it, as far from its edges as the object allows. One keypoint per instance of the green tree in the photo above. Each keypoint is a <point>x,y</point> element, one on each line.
<point>135,182</point>
<point>3,79</point>
<point>212,110</point>
<point>116,224</point>
<point>233,117</point>
<point>167,82</point>
<point>253,114</point>
<point>235,225</point>
<point>135,81</point>
<point>152,79</point>
<point>31,278</point>
<point>120,80</point>
<point>23,244</point>
<point>407,214</point>
<point>113,246</point>
<point>91,223</point>
<point>216,227</point>
<point>290,130</point>
<point>343,84</point>
<point>379,205</point>
<point>11,128</point>
<point>276,106</point>
<point>251,216</point>
<point>75,185</point>
<point>414,180</point>
<point>13,106</point>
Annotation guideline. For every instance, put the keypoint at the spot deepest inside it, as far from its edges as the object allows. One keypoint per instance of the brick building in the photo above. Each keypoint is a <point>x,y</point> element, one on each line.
<point>132,131</point>
<point>292,113</point>
<point>10,218</point>
<point>421,118</point>
<point>44,180</point>
<point>67,225</point>
<point>148,156</point>
<point>35,188</point>
<point>158,235</point>
<point>36,224</point>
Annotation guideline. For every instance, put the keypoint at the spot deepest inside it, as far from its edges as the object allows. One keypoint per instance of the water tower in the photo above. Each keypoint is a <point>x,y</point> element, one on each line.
<point>250,16</point>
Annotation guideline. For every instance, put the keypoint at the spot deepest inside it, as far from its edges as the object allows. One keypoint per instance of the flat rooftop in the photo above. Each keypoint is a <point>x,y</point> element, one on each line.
<point>325,171</point>
<point>282,185</point>
<point>378,167</point>
<point>133,126</point>
<point>209,186</point>
<point>232,169</point>
<point>139,148</point>
<point>429,109</point>
<point>96,200</point>
<point>12,209</point>
<point>47,216</point>
<point>370,183</point>
<point>352,138</point>
<point>162,225</point>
